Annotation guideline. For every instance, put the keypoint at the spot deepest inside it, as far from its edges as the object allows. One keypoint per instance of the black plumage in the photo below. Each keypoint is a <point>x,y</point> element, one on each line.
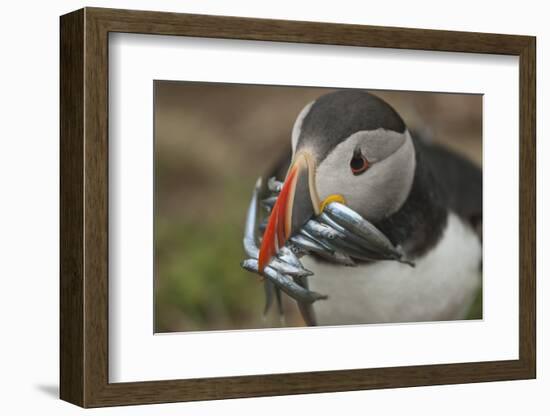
<point>444,181</point>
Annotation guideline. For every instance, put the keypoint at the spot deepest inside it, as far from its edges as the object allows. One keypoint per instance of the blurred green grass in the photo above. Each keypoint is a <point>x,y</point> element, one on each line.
<point>201,280</point>
<point>476,310</point>
<point>211,143</point>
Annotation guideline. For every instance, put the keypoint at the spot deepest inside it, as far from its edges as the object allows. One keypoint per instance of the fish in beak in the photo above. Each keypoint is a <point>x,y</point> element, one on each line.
<point>297,203</point>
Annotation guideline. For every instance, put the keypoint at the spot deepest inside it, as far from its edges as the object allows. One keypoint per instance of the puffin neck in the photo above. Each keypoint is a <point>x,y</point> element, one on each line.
<point>418,225</point>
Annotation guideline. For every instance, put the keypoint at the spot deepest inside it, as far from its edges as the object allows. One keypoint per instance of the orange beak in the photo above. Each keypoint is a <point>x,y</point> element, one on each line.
<point>296,204</point>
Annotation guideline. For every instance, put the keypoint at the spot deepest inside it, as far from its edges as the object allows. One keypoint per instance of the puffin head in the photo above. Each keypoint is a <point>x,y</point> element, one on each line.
<point>348,146</point>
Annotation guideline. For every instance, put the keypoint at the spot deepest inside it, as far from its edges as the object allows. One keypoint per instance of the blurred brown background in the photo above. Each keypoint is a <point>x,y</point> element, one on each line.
<point>211,143</point>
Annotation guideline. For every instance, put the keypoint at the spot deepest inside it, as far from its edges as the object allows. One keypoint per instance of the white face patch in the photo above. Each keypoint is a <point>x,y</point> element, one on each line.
<point>383,188</point>
<point>297,129</point>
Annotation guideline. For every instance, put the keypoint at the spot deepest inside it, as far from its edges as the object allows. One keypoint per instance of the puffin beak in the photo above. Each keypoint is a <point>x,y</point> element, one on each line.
<point>297,203</point>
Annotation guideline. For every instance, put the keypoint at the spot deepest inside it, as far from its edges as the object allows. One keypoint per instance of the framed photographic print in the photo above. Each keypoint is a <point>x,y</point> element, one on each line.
<point>263,207</point>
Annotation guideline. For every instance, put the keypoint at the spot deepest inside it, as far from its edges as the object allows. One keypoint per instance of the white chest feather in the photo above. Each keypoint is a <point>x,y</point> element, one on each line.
<point>442,286</point>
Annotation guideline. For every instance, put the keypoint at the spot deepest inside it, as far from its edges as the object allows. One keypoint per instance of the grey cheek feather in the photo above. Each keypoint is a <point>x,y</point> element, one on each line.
<point>377,193</point>
<point>378,144</point>
<point>297,129</point>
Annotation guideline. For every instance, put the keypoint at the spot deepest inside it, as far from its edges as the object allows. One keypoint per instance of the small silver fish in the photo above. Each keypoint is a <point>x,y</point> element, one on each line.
<point>350,220</point>
<point>274,185</point>
<point>322,231</point>
<point>286,284</point>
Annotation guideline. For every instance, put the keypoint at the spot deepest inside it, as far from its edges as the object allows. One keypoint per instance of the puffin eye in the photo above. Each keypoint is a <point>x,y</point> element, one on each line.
<point>358,163</point>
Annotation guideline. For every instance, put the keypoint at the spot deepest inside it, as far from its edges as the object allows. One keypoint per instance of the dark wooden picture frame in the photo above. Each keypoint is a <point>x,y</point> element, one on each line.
<point>84,207</point>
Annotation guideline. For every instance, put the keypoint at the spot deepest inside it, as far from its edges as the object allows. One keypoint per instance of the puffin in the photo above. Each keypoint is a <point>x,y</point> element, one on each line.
<point>351,146</point>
